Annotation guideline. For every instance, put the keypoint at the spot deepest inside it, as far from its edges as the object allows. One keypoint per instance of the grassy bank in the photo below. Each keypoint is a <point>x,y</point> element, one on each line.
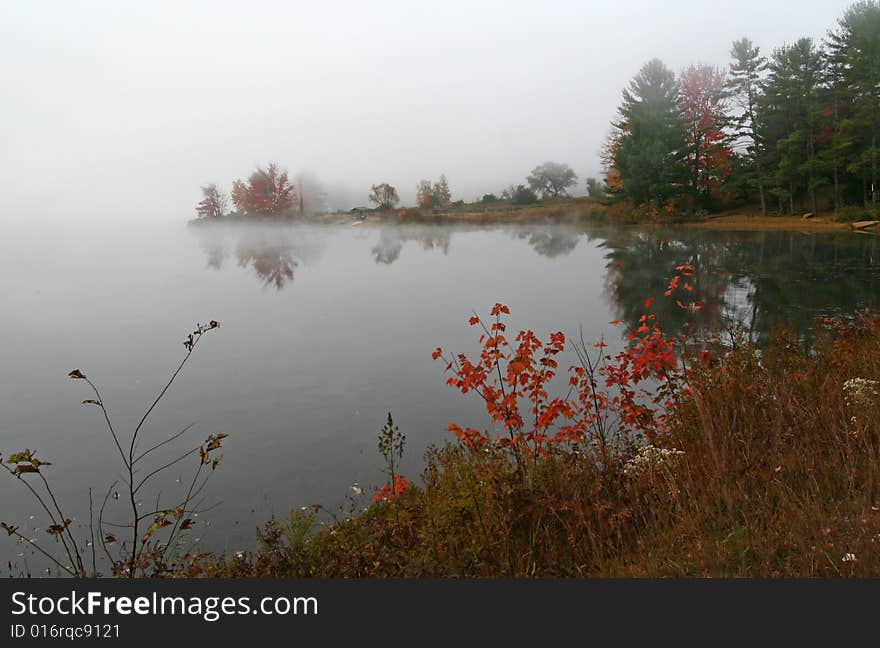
<point>562,210</point>
<point>739,221</point>
<point>760,463</point>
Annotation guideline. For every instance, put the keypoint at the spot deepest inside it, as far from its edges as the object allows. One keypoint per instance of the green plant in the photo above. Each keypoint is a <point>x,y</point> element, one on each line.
<point>391,444</point>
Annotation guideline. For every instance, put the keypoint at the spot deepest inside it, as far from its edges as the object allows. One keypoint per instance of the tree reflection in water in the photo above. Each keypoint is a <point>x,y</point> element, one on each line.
<point>274,252</point>
<point>551,241</point>
<point>759,281</point>
<point>391,240</point>
<point>272,263</point>
<point>756,280</point>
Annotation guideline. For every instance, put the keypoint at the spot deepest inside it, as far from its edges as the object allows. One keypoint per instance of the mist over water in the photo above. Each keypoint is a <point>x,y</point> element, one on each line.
<point>325,330</point>
<point>121,111</point>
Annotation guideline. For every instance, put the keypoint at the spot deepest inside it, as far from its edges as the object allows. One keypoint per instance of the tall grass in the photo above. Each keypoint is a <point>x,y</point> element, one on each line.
<point>767,466</point>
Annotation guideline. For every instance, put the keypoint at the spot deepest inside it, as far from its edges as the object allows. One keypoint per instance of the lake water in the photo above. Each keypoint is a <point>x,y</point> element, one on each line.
<point>325,330</point>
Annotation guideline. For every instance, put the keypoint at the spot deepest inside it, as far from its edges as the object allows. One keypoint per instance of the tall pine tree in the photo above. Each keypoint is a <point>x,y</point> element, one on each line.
<point>648,154</point>
<point>744,79</point>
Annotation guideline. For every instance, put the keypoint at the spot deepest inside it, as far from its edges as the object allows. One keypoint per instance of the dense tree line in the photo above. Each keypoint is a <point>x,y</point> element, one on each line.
<point>795,131</point>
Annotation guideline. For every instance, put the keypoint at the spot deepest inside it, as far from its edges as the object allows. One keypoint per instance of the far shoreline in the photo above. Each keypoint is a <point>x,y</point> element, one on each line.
<point>572,212</point>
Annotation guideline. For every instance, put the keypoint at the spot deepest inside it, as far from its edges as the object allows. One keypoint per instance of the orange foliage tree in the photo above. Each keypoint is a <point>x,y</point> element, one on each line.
<point>704,112</point>
<point>268,192</point>
<point>609,150</point>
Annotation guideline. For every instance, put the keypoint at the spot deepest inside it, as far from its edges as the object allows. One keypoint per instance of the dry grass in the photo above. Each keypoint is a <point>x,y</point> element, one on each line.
<point>778,477</point>
<point>752,222</point>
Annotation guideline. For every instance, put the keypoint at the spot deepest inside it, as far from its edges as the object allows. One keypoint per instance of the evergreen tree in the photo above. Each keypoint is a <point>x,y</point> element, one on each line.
<point>792,120</point>
<point>648,155</point>
<point>854,62</point>
<point>743,87</point>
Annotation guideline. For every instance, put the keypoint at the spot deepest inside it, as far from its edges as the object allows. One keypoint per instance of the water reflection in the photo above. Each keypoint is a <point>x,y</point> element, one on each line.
<point>755,280</point>
<point>550,241</point>
<point>364,331</point>
<point>391,240</point>
<point>272,263</point>
<point>272,252</point>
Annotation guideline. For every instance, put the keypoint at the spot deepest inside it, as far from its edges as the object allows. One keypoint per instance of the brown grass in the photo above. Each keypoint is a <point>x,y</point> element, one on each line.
<point>779,477</point>
<point>750,222</point>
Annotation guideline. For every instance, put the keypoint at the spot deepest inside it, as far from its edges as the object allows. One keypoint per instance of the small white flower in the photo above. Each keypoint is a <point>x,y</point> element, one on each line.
<point>357,490</point>
<point>860,394</point>
<point>649,457</point>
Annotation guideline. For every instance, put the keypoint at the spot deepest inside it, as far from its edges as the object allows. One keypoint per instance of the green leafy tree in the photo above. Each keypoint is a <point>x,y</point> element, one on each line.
<point>551,179</point>
<point>523,195</point>
<point>440,192</point>
<point>433,195</point>
<point>596,188</point>
<point>384,196</point>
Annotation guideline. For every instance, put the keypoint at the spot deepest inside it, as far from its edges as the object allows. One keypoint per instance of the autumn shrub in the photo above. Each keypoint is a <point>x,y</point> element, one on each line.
<point>668,458</point>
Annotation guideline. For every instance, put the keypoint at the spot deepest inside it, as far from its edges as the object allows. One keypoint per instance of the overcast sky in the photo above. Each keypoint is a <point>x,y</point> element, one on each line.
<point>121,110</point>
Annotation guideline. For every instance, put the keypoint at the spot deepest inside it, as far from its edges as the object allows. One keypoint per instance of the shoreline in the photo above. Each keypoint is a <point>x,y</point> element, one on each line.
<point>574,212</point>
<point>757,223</point>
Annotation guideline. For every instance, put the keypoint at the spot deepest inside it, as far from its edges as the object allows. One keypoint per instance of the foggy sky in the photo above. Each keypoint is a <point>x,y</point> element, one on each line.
<point>119,111</point>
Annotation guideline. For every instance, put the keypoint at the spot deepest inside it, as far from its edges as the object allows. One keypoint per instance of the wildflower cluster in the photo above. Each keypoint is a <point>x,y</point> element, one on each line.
<point>649,458</point>
<point>860,393</point>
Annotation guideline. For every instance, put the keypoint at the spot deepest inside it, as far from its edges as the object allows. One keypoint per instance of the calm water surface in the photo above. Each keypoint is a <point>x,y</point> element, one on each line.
<point>325,330</point>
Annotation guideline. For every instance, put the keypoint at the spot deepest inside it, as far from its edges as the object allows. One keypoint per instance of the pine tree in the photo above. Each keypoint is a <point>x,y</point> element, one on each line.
<point>792,118</point>
<point>854,62</point>
<point>649,152</point>
<point>743,87</point>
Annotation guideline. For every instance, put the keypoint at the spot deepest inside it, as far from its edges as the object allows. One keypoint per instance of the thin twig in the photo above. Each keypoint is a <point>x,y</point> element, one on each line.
<point>160,444</point>
<point>44,552</point>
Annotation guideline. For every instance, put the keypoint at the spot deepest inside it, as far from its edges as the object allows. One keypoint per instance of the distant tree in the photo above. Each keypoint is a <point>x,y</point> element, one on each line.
<point>311,195</point>
<point>424,194</point>
<point>596,188</point>
<point>268,192</point>
<point>607,155</point>
<point>489,198</point>
<point>436,195</point>
<point>213,204</point>
<point>384,196</point>
<point>523,195</point>
<point>441,193</point>
<point>551,178</point>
